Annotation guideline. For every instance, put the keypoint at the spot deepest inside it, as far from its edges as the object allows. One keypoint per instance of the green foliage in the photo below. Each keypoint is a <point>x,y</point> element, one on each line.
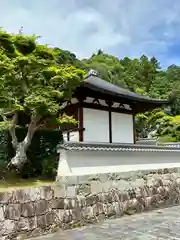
<point>42,153</point>
<point>31,78</point>
<point>49,167</point>
<point>24,44</point>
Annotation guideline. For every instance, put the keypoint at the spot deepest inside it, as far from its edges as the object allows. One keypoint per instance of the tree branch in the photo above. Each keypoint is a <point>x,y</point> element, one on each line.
<point>12,130</point>
<point>31,129</point>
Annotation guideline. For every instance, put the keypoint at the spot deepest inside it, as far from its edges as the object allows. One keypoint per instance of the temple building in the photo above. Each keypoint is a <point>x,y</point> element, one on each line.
<point>105,112</point>
<point>104,139</point>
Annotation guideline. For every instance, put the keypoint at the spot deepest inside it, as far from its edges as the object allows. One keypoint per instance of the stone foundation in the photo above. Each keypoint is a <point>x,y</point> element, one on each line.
<point>37,211</point>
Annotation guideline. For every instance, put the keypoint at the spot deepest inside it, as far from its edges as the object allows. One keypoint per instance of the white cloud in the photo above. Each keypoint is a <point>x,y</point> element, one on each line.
<point>120,27</point>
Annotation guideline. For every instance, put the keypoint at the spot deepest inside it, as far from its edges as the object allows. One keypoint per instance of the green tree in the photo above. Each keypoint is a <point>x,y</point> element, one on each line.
<point>33,84</point>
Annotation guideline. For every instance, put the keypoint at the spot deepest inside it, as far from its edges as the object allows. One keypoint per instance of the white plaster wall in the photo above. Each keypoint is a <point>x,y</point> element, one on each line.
<point>122,128</point>
<point>96,124</point>
<point>78,163</point>
<point>73,136</point>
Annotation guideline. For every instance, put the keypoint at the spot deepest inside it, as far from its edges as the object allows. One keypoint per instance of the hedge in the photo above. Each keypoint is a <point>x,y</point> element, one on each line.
<point>42,154</point>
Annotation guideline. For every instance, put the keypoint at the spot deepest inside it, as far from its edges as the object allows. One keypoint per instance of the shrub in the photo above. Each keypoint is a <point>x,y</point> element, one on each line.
<point>42,154</point>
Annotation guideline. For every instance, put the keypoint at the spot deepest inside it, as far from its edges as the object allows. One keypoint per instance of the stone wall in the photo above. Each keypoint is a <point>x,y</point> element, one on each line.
<point>36,211</point>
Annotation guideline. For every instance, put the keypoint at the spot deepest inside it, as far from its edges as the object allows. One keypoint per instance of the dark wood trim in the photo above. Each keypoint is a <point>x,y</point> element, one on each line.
<point>68,135</point>
<point>110,125</point>
<point>81,124</point>
<point>105,108</point>
<point>73,130</point>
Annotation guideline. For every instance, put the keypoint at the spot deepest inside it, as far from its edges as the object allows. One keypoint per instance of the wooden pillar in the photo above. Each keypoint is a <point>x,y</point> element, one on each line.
<point>110,103</point>
<point>110,125</point>
<point>81,123</point>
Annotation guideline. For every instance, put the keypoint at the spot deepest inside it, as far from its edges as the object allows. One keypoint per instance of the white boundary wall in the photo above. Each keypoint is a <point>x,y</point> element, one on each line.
<point>77,163</point>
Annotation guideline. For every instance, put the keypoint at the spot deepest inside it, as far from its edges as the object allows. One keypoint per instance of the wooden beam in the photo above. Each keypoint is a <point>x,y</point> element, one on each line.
<point>81,123</point>
<point>105,108</point>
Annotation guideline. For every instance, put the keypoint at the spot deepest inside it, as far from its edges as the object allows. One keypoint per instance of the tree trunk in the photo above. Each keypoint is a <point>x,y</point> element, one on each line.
<point>20,157</point>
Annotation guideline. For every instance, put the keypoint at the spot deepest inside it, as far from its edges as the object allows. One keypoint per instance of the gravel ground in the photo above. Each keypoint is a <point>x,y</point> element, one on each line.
<point>160,224</point>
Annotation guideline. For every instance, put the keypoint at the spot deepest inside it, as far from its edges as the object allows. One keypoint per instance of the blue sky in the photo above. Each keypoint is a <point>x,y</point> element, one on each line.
<point>119,27</point>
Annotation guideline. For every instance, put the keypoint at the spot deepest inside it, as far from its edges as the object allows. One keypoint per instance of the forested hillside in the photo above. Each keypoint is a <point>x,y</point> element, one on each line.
<point>142,75</point>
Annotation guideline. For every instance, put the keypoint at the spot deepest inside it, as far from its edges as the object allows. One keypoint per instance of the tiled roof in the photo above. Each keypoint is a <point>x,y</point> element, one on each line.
<point>98,84</point>
<point>77,146</point>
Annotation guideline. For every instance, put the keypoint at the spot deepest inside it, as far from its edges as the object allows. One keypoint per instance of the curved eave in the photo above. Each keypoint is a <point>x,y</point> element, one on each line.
<point>137,98</point>
<point>96,84</point>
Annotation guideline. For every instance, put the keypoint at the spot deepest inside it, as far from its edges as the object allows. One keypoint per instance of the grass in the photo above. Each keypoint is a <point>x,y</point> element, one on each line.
<point>9,185</point>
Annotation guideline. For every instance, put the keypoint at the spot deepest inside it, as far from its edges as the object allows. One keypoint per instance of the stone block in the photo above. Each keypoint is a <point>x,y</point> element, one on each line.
<point>162,191</point>
<point>27,210</point>
<point>41,207</point>
<point>178,181</point>
<point>158,182</point>
<point>59,191</point>
<point>26,195</point>
<point>118,208</point>
<point>57,203</point>
<point>110,197</point>
<point>95,210</point>
<point>134,206</point>
<point>3,238</point>
<point>124,185</point>
<point>150,202</point>
<point>71,191</point>
<point>2,218</point>
<point>138,192</point>
<point>153,190</point>
<point>41,222</point>
<point>73,203</point>
<point>66,203</point>
<point>49,218</point>
<point>176,175</point>
<point>166,182</point>
<point>102,197</point>
<point>12,211</point>
<point>87,213</point>
<point>99,207</point>
<point>5,197</point>
<point>96,187</point>
<point>140,182</point>
<point>46,193</point>
<point>91,199</point>
<point>76,215</point>
<point>168,176</point>
<point>58,216</point>
<point>131,193</point>
<point>150,181</point>
<point>84,189</point>
<point>106,186</point>
<point>81,200</point>
<point>27,224</point>
<point>7,227</point>
<point>114,184</point>
<point>110,210</point>
<point>67,216</point>
<point>123,196</point>
<point>146,191</point>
